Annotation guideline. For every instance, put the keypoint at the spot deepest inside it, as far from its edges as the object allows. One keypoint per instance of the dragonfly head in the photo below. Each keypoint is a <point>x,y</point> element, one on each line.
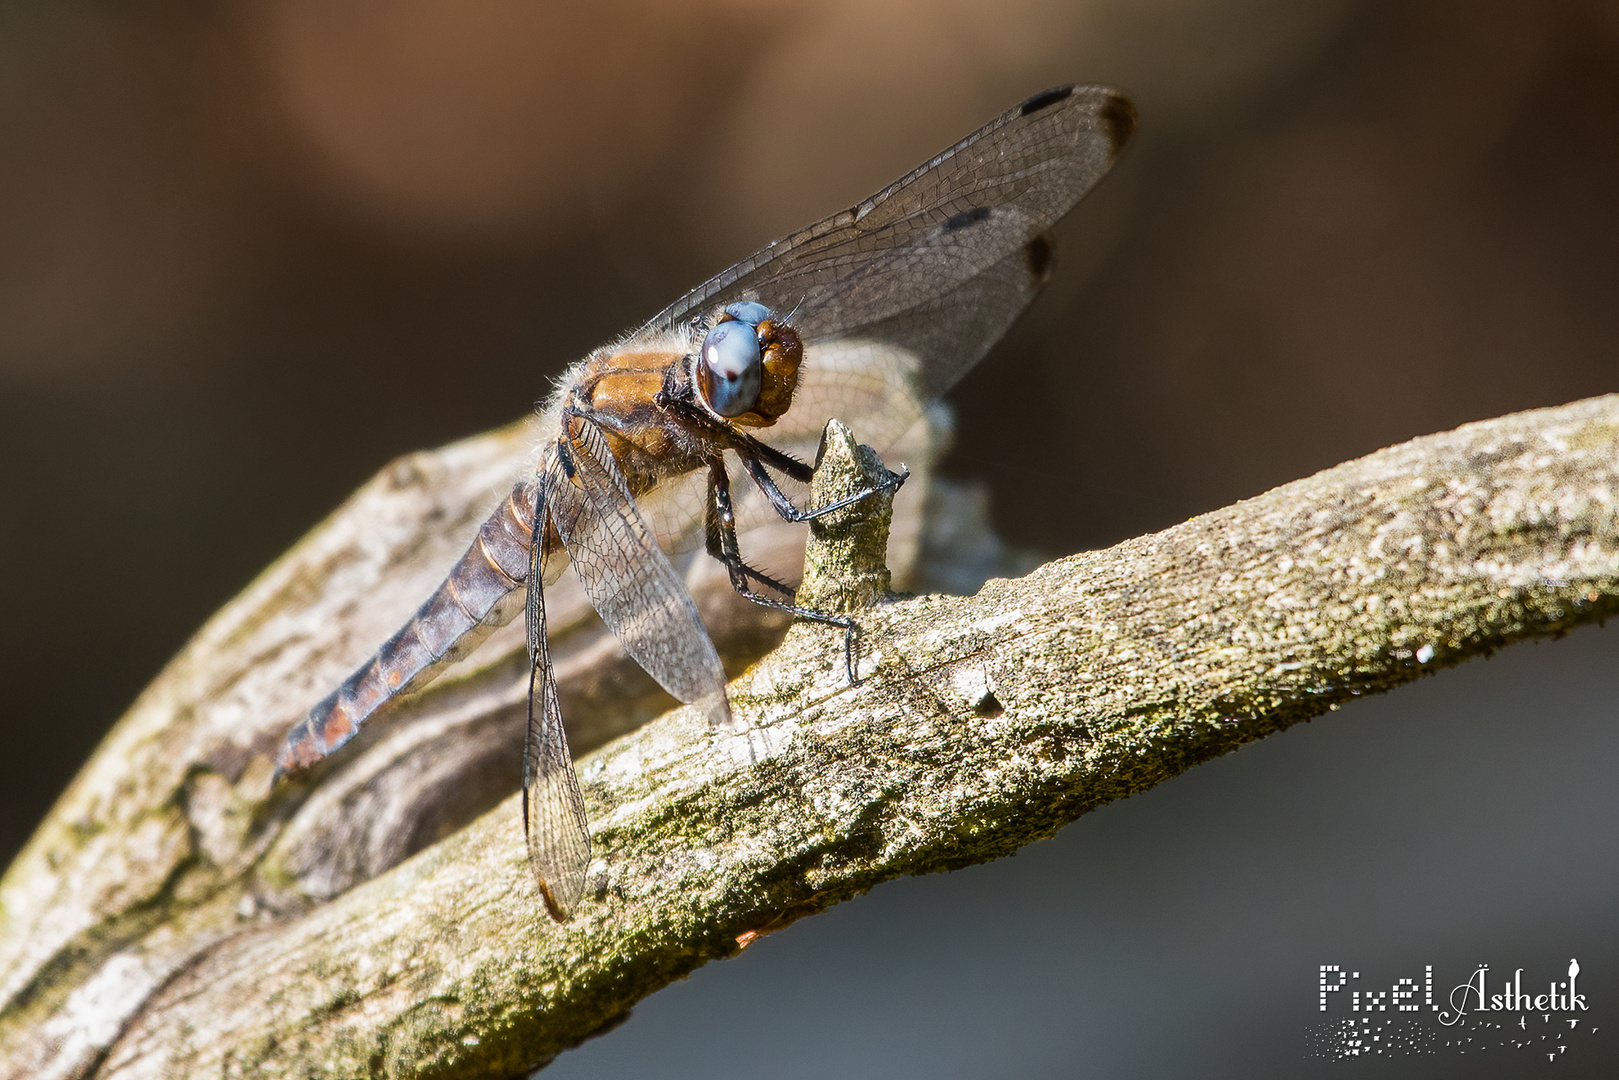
<point>747,368</point>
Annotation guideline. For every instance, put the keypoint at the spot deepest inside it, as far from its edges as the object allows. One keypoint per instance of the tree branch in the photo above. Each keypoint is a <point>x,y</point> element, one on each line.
<point>981,724</point>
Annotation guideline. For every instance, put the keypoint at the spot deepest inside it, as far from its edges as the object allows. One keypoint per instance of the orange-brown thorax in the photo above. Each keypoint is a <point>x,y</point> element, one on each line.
<point>620,389</point>
<point>649,444</point>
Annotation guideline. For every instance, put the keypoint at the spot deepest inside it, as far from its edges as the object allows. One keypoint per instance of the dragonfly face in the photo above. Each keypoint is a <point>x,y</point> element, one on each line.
<point>866,316</point>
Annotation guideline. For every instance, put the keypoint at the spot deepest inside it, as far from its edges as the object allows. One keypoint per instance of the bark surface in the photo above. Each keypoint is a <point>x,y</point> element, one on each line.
<point>175,918</point>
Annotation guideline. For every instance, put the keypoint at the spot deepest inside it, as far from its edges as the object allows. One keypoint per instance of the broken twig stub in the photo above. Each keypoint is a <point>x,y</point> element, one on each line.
<point>845,561</point>
<point>979,724</point>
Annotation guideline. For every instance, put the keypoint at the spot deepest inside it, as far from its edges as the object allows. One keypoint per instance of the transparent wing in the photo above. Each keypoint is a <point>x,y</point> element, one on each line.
<point>898,296</point>
<point>554,820</point>
<point>675,508</point>
<point>628,579</point>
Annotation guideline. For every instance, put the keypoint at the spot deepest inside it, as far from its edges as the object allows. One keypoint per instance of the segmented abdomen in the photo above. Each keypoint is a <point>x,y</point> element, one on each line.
<point>479,595</point>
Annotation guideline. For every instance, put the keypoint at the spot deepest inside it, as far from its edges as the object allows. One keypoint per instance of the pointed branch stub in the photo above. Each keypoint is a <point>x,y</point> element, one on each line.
<point>845,561</point>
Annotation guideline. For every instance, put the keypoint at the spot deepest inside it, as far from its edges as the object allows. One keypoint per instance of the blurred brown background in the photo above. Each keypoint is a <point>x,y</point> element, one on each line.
<point>249,252</point>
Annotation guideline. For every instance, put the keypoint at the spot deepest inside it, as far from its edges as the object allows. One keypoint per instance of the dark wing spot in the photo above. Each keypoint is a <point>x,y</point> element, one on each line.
<point>965,218</point>
<point>1119,117</point>
<point>1041,101</point>
<point>1037,255</point>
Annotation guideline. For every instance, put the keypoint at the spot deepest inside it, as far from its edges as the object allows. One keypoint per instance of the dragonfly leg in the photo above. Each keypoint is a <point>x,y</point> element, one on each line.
<point>784,506</point>
<point>717,549</point>
<point>722,544</point>
<point>757,455</point>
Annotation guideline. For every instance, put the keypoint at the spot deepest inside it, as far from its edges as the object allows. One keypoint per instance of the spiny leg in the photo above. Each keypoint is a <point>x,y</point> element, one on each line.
<point>755,464</point>
<point>757,455</point>
<point>715,540</point>
<point>720,526</point>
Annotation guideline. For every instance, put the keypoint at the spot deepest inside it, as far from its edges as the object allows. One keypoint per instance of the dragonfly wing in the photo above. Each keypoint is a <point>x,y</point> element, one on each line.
<point>629,580</point>
<point>880,379</point>
<point>923,277</point>
<point>675,508</point>
<point>554,820</point>
<point>875,382</point>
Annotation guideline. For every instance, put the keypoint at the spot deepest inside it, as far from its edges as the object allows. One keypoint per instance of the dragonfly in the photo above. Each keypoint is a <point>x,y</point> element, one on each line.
<point>867,316</point>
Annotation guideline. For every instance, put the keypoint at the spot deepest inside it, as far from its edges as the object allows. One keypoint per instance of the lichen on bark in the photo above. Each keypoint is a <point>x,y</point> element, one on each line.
<point>978,724</point>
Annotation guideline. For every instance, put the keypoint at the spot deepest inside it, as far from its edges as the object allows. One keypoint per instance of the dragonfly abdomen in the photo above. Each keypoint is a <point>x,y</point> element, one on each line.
<point>480,595</point>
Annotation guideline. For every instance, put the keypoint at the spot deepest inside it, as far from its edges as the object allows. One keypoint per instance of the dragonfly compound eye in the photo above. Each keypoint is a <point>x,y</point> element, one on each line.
<point>748,311</point>
<point>729,374</point>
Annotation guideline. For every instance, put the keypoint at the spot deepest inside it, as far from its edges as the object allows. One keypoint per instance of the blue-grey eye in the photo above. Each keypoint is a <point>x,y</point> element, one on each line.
<point>730,372</point>
<point>748,311</point>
